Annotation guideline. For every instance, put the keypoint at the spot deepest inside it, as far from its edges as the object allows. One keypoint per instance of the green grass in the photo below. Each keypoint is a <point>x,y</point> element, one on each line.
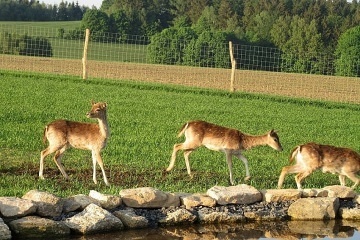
<point>144,120</point>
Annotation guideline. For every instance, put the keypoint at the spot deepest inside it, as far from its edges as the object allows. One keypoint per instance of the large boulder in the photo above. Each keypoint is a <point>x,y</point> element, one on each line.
<point>5,232</point>
<point>197,199</point>
<point>16,207</point>
<point>314,208</point>
<point>94,219</point>
<point>340,191</point>
<point>240,194</point>
<point>278,195</point>
<point>48,205</point>
<point>177,217</point>
<point>107,201</point>
<point>36,227</point>
<point>129,218</point>
<point>148,197</point>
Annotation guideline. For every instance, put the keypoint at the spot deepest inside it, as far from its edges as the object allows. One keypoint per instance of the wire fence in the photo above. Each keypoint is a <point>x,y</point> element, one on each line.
<point>258,69</point>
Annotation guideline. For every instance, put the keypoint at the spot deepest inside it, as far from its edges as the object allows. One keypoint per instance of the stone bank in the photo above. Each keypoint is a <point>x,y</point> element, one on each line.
<point>40,214</point>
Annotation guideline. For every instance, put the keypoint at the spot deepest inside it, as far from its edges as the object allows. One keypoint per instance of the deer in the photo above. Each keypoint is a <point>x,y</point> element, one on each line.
<point>313,156</point>
<point>62,134</point>
<point>218,138</point>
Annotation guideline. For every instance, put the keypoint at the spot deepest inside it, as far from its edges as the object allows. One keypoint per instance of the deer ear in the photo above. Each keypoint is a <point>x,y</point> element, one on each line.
<point>92,102</point>
<point>104,105</point>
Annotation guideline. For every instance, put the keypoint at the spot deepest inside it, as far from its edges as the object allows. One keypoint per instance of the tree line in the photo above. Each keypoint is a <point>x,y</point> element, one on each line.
<point>306,33</point>
<point>33,10</point>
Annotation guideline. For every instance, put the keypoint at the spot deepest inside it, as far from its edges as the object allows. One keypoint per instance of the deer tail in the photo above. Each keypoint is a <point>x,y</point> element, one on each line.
<point>182,129</point>
<point>44,134</point>
<point>294,152</point>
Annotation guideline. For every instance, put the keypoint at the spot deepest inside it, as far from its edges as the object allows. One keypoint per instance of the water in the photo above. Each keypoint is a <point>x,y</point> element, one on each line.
<point>256,230</point>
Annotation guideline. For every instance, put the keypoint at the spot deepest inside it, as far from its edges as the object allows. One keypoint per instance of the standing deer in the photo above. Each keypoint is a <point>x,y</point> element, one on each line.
<point>87,136</point>
<point>218,138</point>
<point>312,156</point>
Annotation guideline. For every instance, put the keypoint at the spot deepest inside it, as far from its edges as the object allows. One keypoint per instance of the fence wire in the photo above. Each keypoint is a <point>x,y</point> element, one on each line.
<point>259,69</point>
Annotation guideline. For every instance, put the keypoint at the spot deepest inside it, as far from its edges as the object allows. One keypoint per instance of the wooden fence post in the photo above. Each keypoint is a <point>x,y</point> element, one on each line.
<point>233,67</point>
<point>84,59</point>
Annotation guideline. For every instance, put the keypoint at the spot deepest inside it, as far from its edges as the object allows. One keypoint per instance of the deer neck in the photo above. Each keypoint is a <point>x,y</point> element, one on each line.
<point>104,127</point>
<point>250,141</point>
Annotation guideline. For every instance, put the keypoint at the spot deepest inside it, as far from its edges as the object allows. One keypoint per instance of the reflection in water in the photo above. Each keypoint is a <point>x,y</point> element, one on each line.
<point>256,230</point>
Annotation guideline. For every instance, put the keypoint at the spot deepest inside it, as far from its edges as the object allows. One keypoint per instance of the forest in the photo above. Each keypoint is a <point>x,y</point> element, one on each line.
<point>303,28</point>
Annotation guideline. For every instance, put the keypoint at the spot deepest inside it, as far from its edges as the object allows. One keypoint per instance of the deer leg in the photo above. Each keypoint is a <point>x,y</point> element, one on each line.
<point>342,179</point>
<point>97,159</point>
<point>177,147</point>
<point>230,166</point>
<point>300,177</point>
<point>285,171</point>
<point>353,178</point>
<point>245,161</point>
<point>57,160</point>
<point>187,163</point>
<point>43,155</point>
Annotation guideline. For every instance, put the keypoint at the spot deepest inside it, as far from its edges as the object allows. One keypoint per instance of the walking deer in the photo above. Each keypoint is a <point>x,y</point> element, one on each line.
<point>62,134</point>
<point>218,138</point>
<point>312,156</point>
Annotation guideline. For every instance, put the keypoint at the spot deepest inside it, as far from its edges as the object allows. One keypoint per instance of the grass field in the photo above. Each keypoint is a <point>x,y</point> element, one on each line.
<point>144,119</point>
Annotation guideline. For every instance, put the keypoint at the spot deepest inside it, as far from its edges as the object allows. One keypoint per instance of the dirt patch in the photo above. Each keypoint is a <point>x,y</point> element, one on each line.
<point>329,88</point>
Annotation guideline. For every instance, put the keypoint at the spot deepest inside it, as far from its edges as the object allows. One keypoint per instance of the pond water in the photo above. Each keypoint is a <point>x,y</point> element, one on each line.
<point>256,230</point>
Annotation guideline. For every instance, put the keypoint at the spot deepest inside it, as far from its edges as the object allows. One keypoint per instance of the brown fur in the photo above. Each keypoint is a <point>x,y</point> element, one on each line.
<point>62,134</point>
<point>312,156</point>
<point>218,138</point>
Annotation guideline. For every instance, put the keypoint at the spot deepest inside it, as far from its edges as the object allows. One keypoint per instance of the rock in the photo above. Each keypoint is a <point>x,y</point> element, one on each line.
<point>107,201</point>
<point>314,208</point>
<point>5,232</point>
<point>94,219</point>
<point>36,227</point>
<point>278,195</point>
<point>240,194</point>
<point>16,207</point>
<point>70,205</point>
<point>357,199</point>
<point>349,213</point>
<point>48,205</point>
<point>84,200</point>
<point>195,200</point>
<point>130,220</point>
<point>219,217</point>
<point>312,192</point>
<point>178,217</point>
<point>148,197</point>
<point>340,191</point>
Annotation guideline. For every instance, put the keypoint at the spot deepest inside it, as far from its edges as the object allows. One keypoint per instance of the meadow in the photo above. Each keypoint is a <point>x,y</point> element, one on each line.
<point>144,119</point>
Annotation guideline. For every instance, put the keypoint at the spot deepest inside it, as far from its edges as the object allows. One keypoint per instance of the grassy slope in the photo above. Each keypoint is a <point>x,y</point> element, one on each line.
<point>144,120</point>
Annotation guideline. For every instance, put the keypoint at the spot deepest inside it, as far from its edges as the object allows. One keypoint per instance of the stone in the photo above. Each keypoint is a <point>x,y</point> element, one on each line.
<point>178,217</point>
<point>106,201</point>
<point>195,200</point>
<point>278,195</point>
<point>48,205</point>
<point>314,208</point>
<point>130,220</point>
<point>148,197</point>
<point>340,191</point>
<point>36,227</point>
<point>240,194</point>
<point>5,232</point>
<point>84,200</point>
<point>94,219</point>
<point>70,205</point>
<point>349,213</point>
<point>357,199</point>
<point>16,207</point>
<point>313,192</point>
<point>219,217</point>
